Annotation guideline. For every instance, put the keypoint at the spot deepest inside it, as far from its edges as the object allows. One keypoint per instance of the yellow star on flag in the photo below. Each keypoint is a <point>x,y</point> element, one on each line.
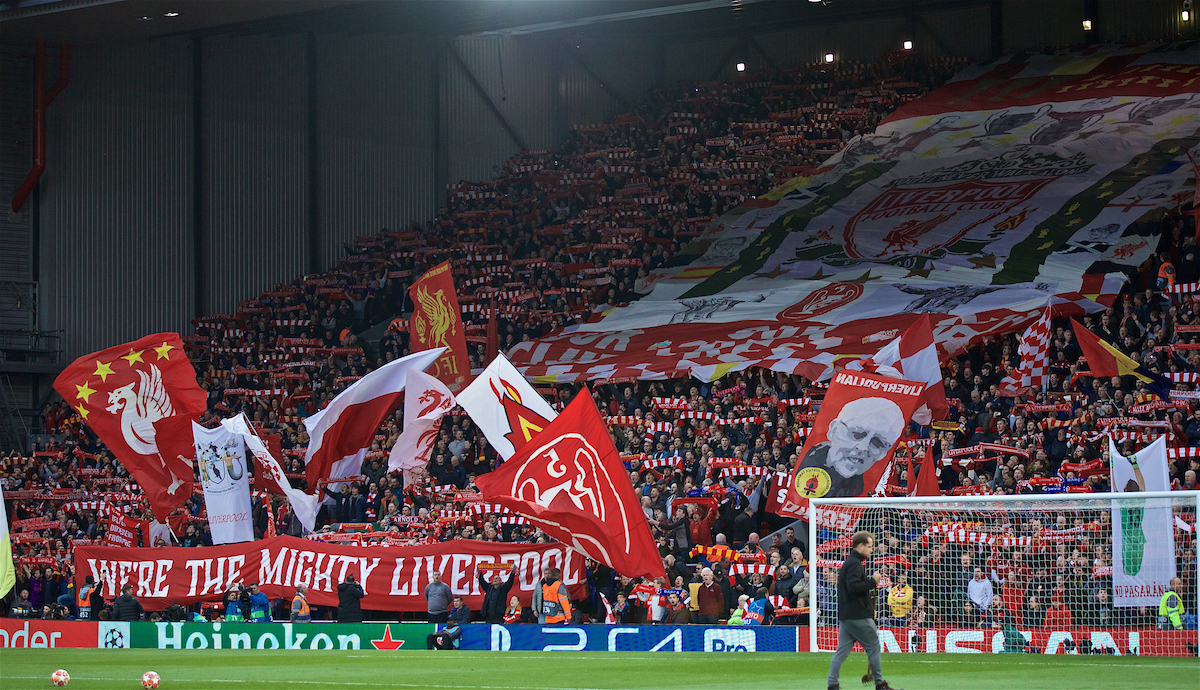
<point>85,391</point>
<point>102,370</point>
<point>164,351</point>
<point>83,412</point>
<point>133,356</point>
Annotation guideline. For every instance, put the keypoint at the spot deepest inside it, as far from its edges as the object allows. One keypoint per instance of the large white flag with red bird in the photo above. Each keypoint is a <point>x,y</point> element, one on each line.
<point>426,401</point>
<point>505,407</point>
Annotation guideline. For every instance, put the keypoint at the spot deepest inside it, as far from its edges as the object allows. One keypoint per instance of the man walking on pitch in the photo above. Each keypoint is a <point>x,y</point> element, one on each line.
<point>856,611</point>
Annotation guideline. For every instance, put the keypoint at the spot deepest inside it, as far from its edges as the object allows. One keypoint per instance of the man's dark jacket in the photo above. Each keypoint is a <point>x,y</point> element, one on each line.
<point>855,590</point>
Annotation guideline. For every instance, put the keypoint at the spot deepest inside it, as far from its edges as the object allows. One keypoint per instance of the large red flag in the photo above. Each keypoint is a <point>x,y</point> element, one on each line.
<point>852,439</point>
<point>134,386</point>
<point>926,481</point>
<point>437,322</point>
<point>570,482</point>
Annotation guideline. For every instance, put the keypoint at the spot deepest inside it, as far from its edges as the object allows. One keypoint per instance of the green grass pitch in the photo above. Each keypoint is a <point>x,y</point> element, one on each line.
<point>98,668</point>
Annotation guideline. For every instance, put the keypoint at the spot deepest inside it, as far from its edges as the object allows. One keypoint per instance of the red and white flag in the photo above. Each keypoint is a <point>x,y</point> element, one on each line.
<point>340,434</point>
<point>272,474</point>
<point>505,407</point>
<point>570,482</point>
<point>915,357</point>
<point>1035,359</point>
<point>122,392</point>
<point>426,401</point>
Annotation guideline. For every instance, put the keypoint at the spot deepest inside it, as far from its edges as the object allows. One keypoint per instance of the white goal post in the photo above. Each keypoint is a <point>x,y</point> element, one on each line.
<point>1063,573</point>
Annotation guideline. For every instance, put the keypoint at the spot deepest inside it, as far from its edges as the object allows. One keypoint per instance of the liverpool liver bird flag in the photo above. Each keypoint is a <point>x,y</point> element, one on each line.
<point>437,322</point>
<point>121,392</point>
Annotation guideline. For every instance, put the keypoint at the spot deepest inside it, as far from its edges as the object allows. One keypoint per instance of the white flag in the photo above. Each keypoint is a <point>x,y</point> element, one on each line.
<point>304,505</point>
<point>1143,543</point>
<point>221,455</point>
<point>426,401</point>
<point>505,407</point>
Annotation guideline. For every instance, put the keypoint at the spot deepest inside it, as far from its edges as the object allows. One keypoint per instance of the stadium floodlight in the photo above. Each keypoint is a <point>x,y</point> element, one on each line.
<point>1186,15</point>
<point>828,57</point>
<point>1087,25</point>
<point>741,67</point>
<point>171,14</point>
<point>1057,572</point>
<point>908,45</point>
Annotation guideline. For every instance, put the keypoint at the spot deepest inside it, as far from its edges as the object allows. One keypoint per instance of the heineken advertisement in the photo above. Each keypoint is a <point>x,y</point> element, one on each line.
<point>372,636</point>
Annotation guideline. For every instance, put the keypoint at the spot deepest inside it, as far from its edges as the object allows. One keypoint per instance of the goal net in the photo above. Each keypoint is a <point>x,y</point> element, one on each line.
<point>1041,574</point>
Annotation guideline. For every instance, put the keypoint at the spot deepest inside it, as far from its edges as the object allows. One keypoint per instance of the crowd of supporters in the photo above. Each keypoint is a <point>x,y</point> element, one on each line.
<point>561,236</point>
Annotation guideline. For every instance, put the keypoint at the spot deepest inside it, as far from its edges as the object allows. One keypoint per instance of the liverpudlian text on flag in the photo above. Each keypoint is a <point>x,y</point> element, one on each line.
<point>272,475</point>
<point>505,407</point>
<point>1143,541</point>
<point>853,437</point>
<point>915,357</point>
<point>121,392</point>
<point>426,401</point>
<point>225,476</point>
<point>570,482</point>
<point>340,434</point>
<point>437,323</point>
<point>1035,359</point>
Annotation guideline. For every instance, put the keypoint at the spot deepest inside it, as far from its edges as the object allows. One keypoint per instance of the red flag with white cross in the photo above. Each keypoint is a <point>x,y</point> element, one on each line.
<point>121,392</point>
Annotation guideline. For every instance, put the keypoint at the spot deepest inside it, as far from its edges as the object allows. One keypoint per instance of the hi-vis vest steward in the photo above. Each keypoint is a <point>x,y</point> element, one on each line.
<point>556,604</point>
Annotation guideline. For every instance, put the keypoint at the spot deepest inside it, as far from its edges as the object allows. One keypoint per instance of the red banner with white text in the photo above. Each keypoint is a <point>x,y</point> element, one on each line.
<point>394,578</point>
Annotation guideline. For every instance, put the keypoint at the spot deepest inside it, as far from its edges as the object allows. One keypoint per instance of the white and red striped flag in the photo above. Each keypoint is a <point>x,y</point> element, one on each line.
<point>340,434</point>
<point>1035,359</point>
<point>914,355</point>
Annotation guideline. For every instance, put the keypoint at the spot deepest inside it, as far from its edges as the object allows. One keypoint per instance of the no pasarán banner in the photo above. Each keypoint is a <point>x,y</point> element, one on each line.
<point>393,578</point>
<point>1143,544</point>
<point>850,446</point>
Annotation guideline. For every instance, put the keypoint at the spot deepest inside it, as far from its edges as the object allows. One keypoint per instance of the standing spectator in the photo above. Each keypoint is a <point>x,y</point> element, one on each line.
<point>96,601</point>
<point>300,610</point>
<point>126,607</point>
<point>349,594</point>
<point>711,597</point>
<point>900,601</point>
<point>979,592</point>
<point>494,595</point>
<point>437,599</point>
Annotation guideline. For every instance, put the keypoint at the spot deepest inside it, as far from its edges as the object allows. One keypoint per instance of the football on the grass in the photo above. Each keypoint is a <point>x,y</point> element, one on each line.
<point>150,679</point>
<point>60,677</point>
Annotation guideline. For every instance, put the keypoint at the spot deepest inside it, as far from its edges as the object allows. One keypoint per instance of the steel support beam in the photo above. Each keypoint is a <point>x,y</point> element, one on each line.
<point>487,100</point>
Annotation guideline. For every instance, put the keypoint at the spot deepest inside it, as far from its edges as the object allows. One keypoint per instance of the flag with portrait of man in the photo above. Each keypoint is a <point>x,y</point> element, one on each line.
<point>850,446</point>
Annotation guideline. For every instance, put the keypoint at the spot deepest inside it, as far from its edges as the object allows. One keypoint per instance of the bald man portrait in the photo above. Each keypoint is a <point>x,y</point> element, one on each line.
<point>862,434</point>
